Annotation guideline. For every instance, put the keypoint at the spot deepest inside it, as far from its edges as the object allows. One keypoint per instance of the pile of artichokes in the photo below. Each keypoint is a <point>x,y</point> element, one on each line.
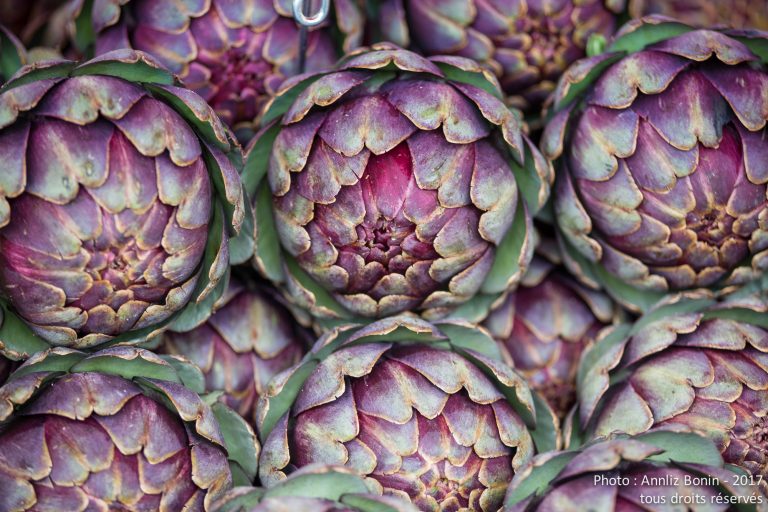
<point>384,255</point>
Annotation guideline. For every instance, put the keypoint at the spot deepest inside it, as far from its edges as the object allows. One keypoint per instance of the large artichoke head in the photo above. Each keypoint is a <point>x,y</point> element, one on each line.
<point>741,14</point>
<point>660,470</point>
<point>314,488</point>
<point>546,324</point>
<point>116,430</point>
<point>526,43</point>
<point>247,341</point>
<point>235,54</point>
<point>119,205</point>
<point>426,412</point>
<point>661,146</point>
<point>689,363</point>
<point>394,183</point>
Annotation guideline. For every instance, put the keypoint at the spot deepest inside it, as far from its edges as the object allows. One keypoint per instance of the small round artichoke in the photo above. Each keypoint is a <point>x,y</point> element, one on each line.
<point>742,14</point>
<point>314,488</point>
<point>411,407</point>
<point>394,183</point>
<point>116,430</point>
<point>656,471</point>
<point>526,43</point>
<point>247,341</point>
<point>688,363</point>
<point>119,203</point>
<point>660,144</point>
<point>545,326</point>
<point>235,54</point>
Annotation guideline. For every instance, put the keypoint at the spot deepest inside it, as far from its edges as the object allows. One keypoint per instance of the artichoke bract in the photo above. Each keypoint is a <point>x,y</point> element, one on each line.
<point>313,488</point>
<point>545,326</point>
<point>526,43</point>
<point>394,183</point>
<point>741,14</point>
<point>119,206</point>
<point>690,363</point>
<point>235,54</point>
<point>660,144</point>
<point>429,413</point>
<point>12,54</point>
<point>118,429</point>
<point>247,341</point>
<point>661,470</point>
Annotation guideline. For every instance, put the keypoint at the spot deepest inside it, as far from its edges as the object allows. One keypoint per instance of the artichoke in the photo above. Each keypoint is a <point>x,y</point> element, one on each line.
<point>655,471</point>
<point>394,183</point>
<point>119,204</point>
<point>116,430</point>
<point>235,54</point>
<point>526,43</point>
<point>660,144</point>
<point>313,488</point>
<point>426,412</point>
<point>545,325</point>
<point>241,346</point>
<point>706,13</point>
<point>690,363</point>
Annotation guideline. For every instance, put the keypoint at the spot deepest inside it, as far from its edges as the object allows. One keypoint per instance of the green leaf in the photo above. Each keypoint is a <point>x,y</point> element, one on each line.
<point>545,435</point>
<point>268,250</point>
<point>10,56</point>
<point>84,35</point>
<point>240,441</point>
<point>743,315</point>
<point>322,297</point>
<point>132,71</point>
<point>17,341</point>
<point>476,309</point>
<point>683,447</point>
<point>539,479</point>
<point>282,402</point>
<point>596,44</point>
<point>126,368</point>
<point>475,78</point>
<point>52,362</point>
<point>257,159</point>
<point>58,70</point>
<point>367,503</point>
<point>646,35</point>
<point>330,485</point>
<point>597,352</point>
<point>241,247</point>
<point>528,180</point>
<point>465,337</point>
<point>578,88</point>
<point>189,374</point>
<point>506,263</point>
<point>757,45</point>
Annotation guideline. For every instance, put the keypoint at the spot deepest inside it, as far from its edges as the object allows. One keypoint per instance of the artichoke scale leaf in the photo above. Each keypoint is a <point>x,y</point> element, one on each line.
<point>127,363</point>
<point>17,341</point>
<point>243,245</point>
<point>40,71</point>
<point>279,404</point>
<point>639,34</point>
<point>257,158</point>
<point>267,256</point>
<point>189,374</point>
<point>518,247</point>
<point>285,97</point>
<point>241,444</point>
<point>682,447</point>
<point>537,478</point>
<point>128,65</point>
<point>12,54</point>
<point>475,78</point>
<point>331,485</point>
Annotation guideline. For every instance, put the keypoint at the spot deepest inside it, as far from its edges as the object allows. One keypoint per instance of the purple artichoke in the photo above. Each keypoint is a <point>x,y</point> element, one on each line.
<point>119,204</point>
<point>131,438</point>
<point>526,43</point>
<point>412,408</point>
<point>688,364</point>
<point>241,346</point>
<point>656,471</point>
<point>661,151</point>
<point>545,325</point>
<point>316,489</point>
<point>235,54</point>
<point>707,13</point>
<point>394,183</point>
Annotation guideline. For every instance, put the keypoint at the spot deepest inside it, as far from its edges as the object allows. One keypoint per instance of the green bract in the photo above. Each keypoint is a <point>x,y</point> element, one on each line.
<point>316,489</point>
<point>118,429</point>
<point>119,205</point>
<point>12,54</point>
<point>394,183</point>
<point>661,470</point>
<point>690,362</point>
<point>427,412</point>
<point>660,146</point>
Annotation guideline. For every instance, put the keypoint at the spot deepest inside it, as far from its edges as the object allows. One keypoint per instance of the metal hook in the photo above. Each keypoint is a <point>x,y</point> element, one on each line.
<point>299,7</point>
<point>305,22</point>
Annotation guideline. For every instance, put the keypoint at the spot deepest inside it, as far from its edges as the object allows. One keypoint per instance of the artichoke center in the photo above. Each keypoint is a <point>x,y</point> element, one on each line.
<point>713,227</point>
<point>443,488</point>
